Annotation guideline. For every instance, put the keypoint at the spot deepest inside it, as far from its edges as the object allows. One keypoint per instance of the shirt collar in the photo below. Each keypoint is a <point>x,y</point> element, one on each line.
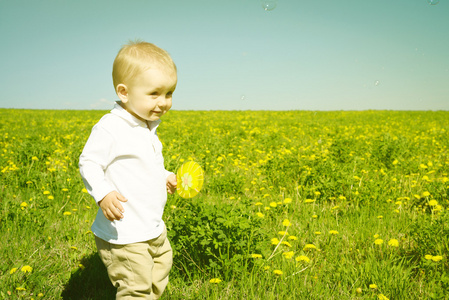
<point>118,110</point>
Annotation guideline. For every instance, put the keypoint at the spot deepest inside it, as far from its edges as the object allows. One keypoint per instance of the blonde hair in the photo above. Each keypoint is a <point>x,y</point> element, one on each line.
<point>136,57</point>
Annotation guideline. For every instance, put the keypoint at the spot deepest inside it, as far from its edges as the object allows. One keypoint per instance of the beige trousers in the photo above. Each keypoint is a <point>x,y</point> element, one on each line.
<point>138,270</point>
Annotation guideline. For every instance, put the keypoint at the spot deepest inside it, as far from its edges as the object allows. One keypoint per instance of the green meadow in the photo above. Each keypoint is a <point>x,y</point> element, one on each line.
<point>295,205</point>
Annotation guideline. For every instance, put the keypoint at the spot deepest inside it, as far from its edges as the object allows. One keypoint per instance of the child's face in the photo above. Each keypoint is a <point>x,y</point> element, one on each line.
<point>149,96</point>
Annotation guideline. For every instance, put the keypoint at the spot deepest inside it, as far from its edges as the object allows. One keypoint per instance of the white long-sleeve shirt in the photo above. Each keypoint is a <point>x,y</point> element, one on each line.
<point>123,154</point>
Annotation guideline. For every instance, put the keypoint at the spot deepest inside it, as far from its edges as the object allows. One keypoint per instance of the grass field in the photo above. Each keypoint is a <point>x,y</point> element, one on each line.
<point>295,205</point>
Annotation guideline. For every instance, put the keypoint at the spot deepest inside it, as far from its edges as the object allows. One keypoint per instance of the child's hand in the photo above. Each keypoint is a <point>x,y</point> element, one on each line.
<point>171,183</point>
<point>111,206</point>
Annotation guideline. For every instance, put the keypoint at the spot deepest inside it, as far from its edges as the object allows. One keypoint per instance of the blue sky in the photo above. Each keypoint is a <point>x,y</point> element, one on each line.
<point>232,54</point>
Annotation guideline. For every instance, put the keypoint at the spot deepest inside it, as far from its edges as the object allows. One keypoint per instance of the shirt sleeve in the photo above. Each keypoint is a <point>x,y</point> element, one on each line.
<point>96,156</point>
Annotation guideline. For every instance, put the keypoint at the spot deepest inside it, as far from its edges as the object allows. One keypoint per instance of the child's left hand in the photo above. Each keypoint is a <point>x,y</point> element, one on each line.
<point>171,183</point>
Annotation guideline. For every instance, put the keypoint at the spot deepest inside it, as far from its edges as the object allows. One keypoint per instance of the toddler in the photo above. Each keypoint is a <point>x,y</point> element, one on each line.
<point>123,170</point>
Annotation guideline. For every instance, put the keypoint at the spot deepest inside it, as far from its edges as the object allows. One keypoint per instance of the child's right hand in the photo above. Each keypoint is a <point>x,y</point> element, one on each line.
<point>111,206</point>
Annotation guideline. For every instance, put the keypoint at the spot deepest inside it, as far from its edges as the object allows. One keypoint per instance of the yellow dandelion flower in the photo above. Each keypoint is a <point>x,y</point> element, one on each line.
<point>67,213</point>
<point>50,197</point>
<point>286,244</point>
<point>288,255</point>
<point>282,232</point>
<point>358,290</point>
<point>278,272</point>
<point>341,197</point>
<point>378,241</point>
<point>258,204</point>
<point>84,190</point>
<point>20,288</point>
<point>309,246</point>
<point>425,194</point>
<point>382,297</point>
<point>215,280</point>
<point>437,258</point>
<point>267,208</point>
<point>254,255</point>
<point>428,257</point>
<point>260,215</point>
<point>274,241</point>
<point>376,236</point>
<point>433,202</point>
<point>302,258</point>
<point>333,232</point>
<point>273,204</point>
<point>292,238</point>
<point>40,295</point>
<point>34,158</point>
<point>26,269</point>
<point>314,216</point>
<point>317,193</point>
<point>335,207</point>
<point>13,270</point>
<point>287,200</point>
<point>309,201</point>
<point>65,190</point>
<point>373,286</point>
<point>46,192</point>
<point>317,232</point>
<point>266,268</point>
<point>286,223</point>
<point>380,217</point>
<point>393,243</point>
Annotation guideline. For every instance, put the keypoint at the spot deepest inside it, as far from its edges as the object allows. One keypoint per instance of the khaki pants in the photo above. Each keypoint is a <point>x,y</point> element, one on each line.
<point>138,270</point>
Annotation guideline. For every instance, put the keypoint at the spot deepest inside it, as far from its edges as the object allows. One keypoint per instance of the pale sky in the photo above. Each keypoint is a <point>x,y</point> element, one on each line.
<point>232,54</point>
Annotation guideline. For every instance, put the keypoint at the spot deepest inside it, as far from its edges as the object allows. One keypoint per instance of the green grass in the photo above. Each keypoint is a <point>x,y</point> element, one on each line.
<point>335,180</point>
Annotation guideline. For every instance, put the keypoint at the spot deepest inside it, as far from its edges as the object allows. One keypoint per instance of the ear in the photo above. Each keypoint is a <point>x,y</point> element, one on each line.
<point>122,92</point>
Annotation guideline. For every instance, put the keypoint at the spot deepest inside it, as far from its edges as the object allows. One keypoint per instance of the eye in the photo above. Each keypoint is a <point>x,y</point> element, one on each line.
<point>169,95</point>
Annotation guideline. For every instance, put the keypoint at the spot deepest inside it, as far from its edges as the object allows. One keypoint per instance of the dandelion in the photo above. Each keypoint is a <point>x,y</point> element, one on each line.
<point>34,158</point>
<point>67,213</point>
<point>65,190</point>
<point>286,244</point>
<point>376,236</point>
<point>292,238</point>
<point>215,280</point>
<point>425,194</point>
<point>273,204</point>
<point>437,258</point>
<point>266,268</point>
<point>23,205</point>
<point>309,201</point>
<point>335,207</point>
<point>382,297</point>
<point>84,190</point>
<point>373,286</point>
<point>380,217</point>
<point>433,202</point>
<point>317,193</point>
<point>288,255</point>
<point>378,241</point>
<point>317,232</point>
<point>81,266</point>
<point>393,243</point>
<point>254,255</point>
<point>333,232</point>
<point>282,233</point>
<point>26,269</point>
<point>20,288</point>
<point>40,295</point>
<point>287,200</point>
<point>309,246</point>
<point>286,223</point>
<point>46,192</point>
<point>274,241</point>
<point>50,197</point>
<point>302,258</point>
<point>13,270</point>
<point>260,215</point>
<point>258,204</point>
<point>278,272</point>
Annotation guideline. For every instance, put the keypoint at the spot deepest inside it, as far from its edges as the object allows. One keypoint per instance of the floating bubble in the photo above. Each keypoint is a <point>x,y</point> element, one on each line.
<point>268,5</point>
<point>243,97</point>
<point>433,2</point>
<point>376,83</point>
